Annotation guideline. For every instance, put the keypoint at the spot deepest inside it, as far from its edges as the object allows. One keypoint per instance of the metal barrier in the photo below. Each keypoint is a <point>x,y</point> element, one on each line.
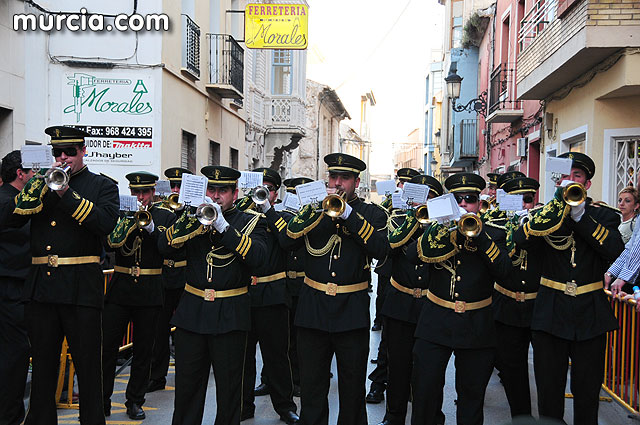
<point>622,364</point>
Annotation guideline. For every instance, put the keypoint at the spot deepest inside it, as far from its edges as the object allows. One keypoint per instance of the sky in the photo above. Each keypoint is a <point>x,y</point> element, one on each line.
<point>357,46</point>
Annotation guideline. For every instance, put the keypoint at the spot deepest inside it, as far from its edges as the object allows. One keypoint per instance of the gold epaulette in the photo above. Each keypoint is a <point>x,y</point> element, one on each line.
<point>161,205</point>
<point>109,177</point>
<point>494,223</point>
<point>602,204</point>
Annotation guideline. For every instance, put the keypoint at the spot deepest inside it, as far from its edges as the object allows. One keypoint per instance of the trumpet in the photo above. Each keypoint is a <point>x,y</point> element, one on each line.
<point>334,205</point>
<point>486,204</point>
<point>422,214</point>
<point>172,202</point>
<point>470,225</point>
<point>574,194</point>
<point>57,178</point>
<point>206,214</point>
<point>260,195</point>
<point>142,217</point>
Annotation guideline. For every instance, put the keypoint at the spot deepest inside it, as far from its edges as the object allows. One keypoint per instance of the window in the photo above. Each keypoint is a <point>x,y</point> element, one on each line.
<point>456,33</point>
<point>188,151</point>
<point>190,46</point>
<point>627,156</point>
<point>504,45</point>
<point>6,130</point>
<point>233,158</point>
<point>281,72</point>
<point>214,153</point>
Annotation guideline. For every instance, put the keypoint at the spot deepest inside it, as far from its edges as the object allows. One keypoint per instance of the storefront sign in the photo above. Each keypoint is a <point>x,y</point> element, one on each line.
<point>276,26</point>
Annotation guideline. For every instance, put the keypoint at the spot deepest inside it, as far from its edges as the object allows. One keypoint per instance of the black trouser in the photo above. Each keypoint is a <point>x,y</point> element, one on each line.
<point>512,360</point>
<point>383,283</point>
<point>378,375</point>
<point>160,358</point>
<point>14,357</point>
<point>47,325</point>
<point>293,342</point>
<point>551,359</point>
<point>114,325</point>
<point>400,341</point>
<point>269,327</point>
<point>316,349</point>
<point>195,355</point>
<point>473,370</point>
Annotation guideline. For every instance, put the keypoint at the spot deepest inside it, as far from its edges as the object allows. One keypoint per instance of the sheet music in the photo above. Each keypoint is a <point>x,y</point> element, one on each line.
<point>163,187</point>
<point>309,193</point>
<point>279,206</point>
<point>558,165</point>
<point>397,201</point>
<point>249,179</point>
<point>128,203</point>
<point>443,208</point>
<point>39,155</point>
<point>193,189</point>
<point>511,202</point>
<point>499,194</point>
<point>417,193</point>
<point>385,187</point>
<point>291,202</point>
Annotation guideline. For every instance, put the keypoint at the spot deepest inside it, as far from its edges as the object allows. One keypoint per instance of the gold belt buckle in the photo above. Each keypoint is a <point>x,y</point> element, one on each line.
<point>571,288</point>
<point>171,263</point>
<point>292,274</point>
<point>254,280</point>
<point>332,289</point>
<point>135,271</point>
<point>417,292</point>
<point>460,307</point>
<point>520,297</point>
<point>209,294</point>
<point>52,260</point>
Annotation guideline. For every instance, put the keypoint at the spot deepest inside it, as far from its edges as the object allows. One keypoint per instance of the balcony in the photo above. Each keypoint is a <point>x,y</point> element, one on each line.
<point>468,138</point>
<point>561,40</point>
<point>226,66</point>
<point>286,115</point>
<point>503,104</point>
<point>190,47</point>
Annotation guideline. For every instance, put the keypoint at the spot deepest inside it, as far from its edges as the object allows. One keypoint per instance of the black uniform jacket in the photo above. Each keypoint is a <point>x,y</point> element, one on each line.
<point>143,290</point>
<point>15,256</point>
<point>384,266</point>
<point>173,272</point>
<point>399,305</point>
<point>295,260</point>
<point>523,278</point>
<point>598,243</point>
<point>475,273</point>
<point>234,255</point>
<point>363,236</point>
<point>73,225</point>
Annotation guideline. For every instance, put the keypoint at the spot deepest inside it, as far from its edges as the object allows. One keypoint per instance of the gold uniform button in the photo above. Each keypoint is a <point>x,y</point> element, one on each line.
<point>419,277</point>
<point>456,295</point>
<point>295,258</point>
<point>416,267</point>
<point>458,262</point>
<point>458,278</point>
<point>524,283</point>
<point>333,274</point>
<point>337,225</point>
<point>48,273</point>
<point>53,223</point>
<point>335,257</point>
<point>48,248</point>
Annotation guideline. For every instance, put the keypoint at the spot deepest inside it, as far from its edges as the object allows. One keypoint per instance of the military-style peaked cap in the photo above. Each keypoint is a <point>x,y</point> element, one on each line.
<point>465,182</point>
<point>509,175</point>
<point>341,162</point>
<point>521,185</point>
<point>405,174</point>
<point>270,175</point>
<point>61,135</point>
<point>141,180</point>
<point>493,178</point>
<point>220,175</point>
<point>581,161</point>
<point>174,174</point>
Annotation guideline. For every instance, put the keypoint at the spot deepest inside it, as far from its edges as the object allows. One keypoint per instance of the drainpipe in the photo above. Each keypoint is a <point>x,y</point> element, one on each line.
<point>320,100</point>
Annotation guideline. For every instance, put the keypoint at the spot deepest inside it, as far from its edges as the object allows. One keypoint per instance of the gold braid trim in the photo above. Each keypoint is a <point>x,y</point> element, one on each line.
<point>310,227</point>
<point>124,239</point>
<point>35,210</point>
<point>528,231</point>
<point>452,237</point>
<point>409,235</point>
<point>200,230</point>
<point>248,228</point>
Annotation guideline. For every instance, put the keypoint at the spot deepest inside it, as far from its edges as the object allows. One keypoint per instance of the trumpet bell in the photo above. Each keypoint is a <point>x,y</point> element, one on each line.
<point>57,178</point>
<point>574,194</point>
<point>260,195</point>
<point>206,214</point>
<point>334,205</point>
<point>172,201</point>
<point>142,217</point>
<point>484,206</point>
<point>470,225</point>
<point>422,214</point>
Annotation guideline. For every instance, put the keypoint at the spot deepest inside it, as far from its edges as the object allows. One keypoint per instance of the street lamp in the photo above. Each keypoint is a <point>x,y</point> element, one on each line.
<point>454,82</point>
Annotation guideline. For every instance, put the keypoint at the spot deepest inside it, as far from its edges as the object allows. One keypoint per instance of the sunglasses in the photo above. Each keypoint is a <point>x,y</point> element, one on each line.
<point>143,191</point>
<point>174,185</point>
<point>469,199</point>
<point>68,151</point>
<point>271,188</point>
<point>527,199</point>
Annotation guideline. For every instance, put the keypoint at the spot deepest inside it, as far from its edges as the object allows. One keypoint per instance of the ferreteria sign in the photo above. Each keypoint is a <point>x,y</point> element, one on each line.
<point>276,26</point>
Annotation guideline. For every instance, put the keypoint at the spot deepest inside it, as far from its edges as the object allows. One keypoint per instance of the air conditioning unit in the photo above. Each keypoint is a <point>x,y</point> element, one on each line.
<point>522,147</point>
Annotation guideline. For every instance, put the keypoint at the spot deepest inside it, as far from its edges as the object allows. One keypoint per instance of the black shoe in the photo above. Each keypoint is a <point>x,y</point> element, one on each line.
<point>374,361</point>
<point>385,422</point>
<point>296,390</point>
<point>290,418</point>
<point>375,396</point>
<point>156,384</point>
<point>246,415</point>
<point>107,411</point>
<point>135,411</point>
<point>262,389</point>
<point>376,327</point>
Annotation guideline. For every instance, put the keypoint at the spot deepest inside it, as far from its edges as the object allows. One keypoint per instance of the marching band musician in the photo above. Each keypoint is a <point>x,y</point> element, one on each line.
<point>213,316</point>
<point>492,184</point>
<point>494,212</point>
<point>135,292</point>
<point>65,285</point>
<point>270,302</point>
<point>571,315</point>
<point>173,280</point>
<point>333,309</point>
<point>513,302</point>
<point>402,305</point>
<point>457,316</point>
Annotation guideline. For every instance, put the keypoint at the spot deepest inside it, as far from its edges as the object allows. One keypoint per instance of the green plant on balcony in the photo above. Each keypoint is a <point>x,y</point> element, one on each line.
<point>473,30</point>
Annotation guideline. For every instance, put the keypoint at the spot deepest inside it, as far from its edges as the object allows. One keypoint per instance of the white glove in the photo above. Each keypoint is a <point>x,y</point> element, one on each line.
<point>149,227</point>
<point>565,183</point>
<point>208,200</point>
<point>578,211</point>
<point>221,225</point>
<point>347,211</point>
<point>522,213</point>
<point>264,207</point>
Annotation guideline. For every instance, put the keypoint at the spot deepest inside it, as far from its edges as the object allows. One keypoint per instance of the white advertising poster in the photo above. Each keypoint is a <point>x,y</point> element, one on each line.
<point>117,109</point>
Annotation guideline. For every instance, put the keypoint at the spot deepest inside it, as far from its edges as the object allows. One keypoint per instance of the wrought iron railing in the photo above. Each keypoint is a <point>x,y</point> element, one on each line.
<point>541,14</point>
<point>226,61</point>
<point>468,138</point>
<point>190,46</point>
<point>502,89</point>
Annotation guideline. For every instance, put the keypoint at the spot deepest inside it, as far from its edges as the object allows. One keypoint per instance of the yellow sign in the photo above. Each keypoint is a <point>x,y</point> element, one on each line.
<point>276,26</point>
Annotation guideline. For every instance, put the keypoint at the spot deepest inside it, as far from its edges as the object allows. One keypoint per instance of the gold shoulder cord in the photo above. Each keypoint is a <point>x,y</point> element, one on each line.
<point>521,260</point>
<point>562,243</point>
<point>135,249</point>
<point>451,268</point>
<point>334,241</point>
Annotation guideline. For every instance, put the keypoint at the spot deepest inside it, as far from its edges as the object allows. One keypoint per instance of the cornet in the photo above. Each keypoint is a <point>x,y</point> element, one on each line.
<point>487,204</point>
<point>574,194</point>
<point>422,214</point>
<point>57,178</point>
<point>260,195</point>
<point>142,217</point>
<point>334,205</point>
<point>206,214</point>
<point>470,225</point>
<point>172,201</point>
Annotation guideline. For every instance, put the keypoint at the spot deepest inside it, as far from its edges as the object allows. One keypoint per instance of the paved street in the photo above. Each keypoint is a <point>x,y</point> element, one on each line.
<point>159,405</point>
